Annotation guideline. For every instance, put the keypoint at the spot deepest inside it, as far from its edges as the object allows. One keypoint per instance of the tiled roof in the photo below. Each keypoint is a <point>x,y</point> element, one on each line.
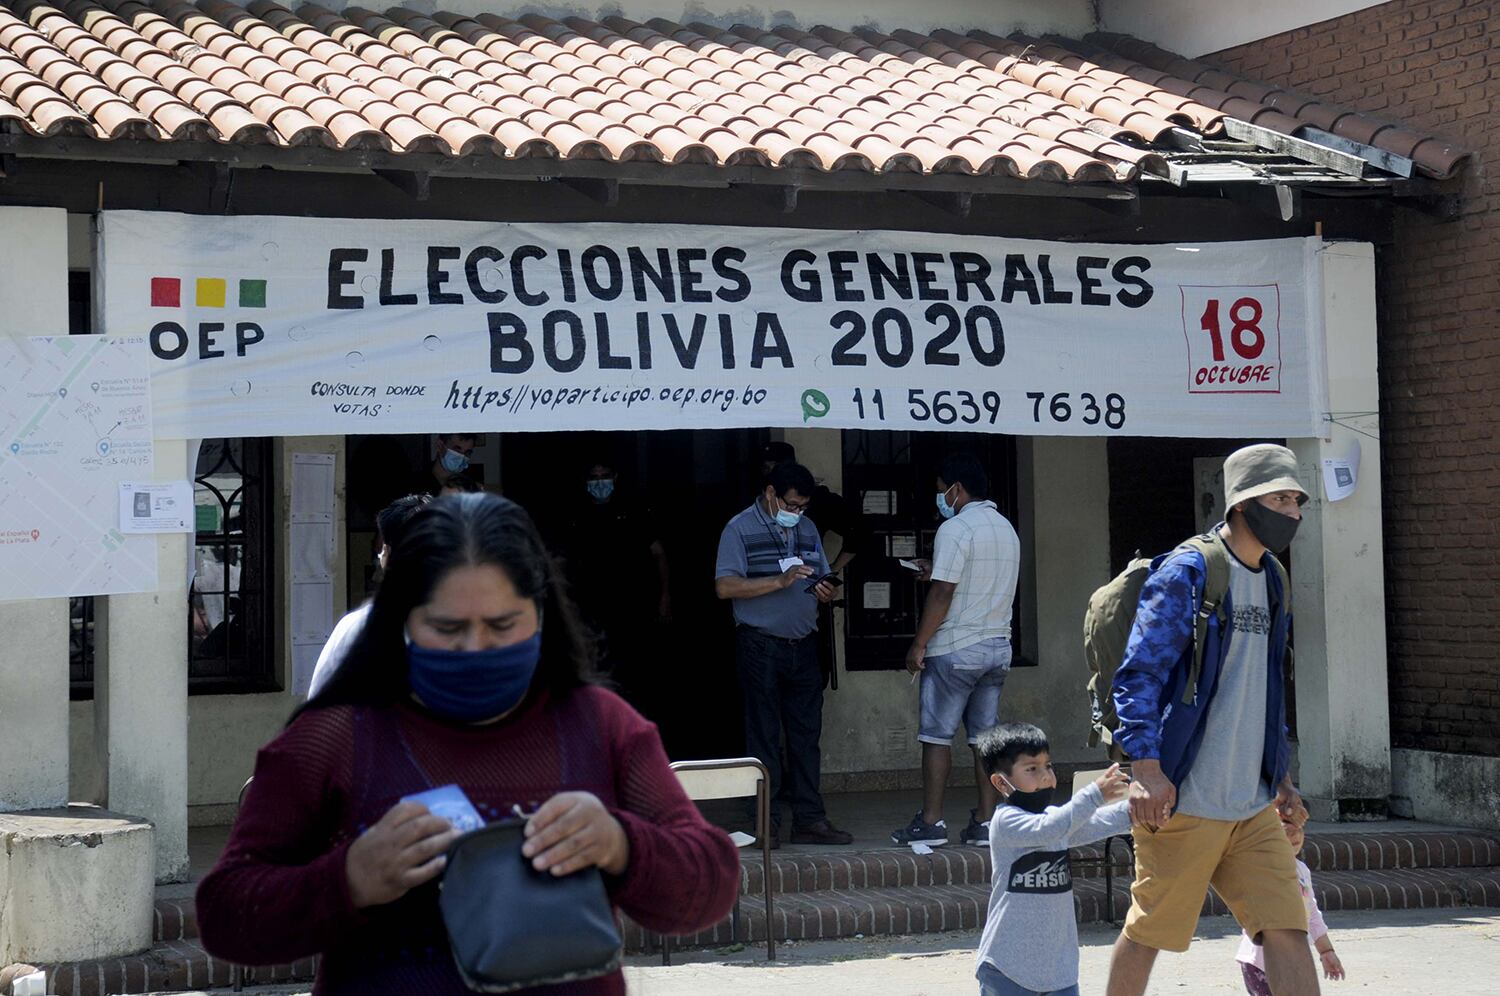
<point>617,90</point>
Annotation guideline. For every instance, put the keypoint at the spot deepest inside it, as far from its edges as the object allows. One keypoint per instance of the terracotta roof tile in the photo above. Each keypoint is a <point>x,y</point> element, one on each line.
<point>660,91</point>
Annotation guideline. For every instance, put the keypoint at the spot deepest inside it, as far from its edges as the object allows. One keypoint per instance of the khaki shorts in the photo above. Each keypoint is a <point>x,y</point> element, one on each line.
<point>1250,864</point>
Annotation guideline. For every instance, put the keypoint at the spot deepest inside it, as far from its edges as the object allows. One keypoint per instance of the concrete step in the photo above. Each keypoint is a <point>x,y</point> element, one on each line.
<point>832,913</point>
<point>170,966</point>
<point>952,864</point>
<point>843,870</point>
<point>1355,851</point>
<point>820,913</point>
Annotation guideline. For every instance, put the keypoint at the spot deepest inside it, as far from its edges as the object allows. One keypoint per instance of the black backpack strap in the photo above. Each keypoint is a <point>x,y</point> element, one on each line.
<point>1210,546</point>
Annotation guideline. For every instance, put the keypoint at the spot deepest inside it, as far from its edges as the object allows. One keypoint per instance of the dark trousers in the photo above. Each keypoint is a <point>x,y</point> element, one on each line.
<point>783,690</point>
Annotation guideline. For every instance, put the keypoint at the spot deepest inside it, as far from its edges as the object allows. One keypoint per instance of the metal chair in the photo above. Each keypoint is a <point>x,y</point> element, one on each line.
<point>1080,780</point>
<point>733,778</point>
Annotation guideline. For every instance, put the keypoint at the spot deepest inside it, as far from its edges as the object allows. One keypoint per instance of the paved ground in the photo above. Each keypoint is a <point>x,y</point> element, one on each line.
<point>1395,953</point>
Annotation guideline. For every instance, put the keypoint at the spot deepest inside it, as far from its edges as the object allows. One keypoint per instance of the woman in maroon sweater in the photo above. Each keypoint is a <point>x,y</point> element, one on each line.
<point>471,669</point>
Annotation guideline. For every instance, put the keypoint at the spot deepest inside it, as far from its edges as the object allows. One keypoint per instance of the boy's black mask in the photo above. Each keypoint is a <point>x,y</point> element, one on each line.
<point>1031,802</point>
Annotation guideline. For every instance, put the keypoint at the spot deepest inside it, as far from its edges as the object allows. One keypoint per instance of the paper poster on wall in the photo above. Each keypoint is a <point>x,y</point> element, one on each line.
<point>313,546</point>
<point>75,423</point>
<point>298,326</point>
<point>148,507</point>
<point>901,545</point>
<point>1341,474</point>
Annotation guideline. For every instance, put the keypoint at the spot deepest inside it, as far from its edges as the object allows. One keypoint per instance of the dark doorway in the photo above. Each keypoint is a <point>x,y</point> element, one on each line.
<point>685,485</point>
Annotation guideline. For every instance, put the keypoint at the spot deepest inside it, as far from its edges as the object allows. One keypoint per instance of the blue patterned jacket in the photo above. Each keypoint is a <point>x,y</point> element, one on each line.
<point>1149,686</point>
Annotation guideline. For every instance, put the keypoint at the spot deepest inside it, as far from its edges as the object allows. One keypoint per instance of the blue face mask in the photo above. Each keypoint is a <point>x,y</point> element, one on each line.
<point>946,510</point>
<point>455,463</point>
<point>601,490</point>
<point>470,685</point>
<point>787,519</point>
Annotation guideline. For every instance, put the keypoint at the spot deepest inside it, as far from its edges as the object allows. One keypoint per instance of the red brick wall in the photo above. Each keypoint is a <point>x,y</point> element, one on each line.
<point>1435,67</point>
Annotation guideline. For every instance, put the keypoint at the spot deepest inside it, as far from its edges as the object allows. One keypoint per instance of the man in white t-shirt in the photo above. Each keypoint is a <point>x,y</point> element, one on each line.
<point>389,525</point>
<point>962,647</point>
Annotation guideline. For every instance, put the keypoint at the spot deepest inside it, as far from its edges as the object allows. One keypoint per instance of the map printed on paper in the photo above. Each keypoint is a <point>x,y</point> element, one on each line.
<point>75,421</point>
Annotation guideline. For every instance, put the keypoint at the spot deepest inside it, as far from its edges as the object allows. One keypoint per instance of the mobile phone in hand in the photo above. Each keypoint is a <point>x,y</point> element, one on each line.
<point>833,580</point>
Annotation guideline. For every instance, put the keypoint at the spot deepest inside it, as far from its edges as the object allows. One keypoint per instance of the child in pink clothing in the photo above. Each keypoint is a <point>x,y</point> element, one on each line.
<point>1252,956</point>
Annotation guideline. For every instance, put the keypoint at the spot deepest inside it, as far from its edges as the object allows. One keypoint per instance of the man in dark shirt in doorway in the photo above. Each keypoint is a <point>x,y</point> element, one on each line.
<point>450,458</point>
<point>618,570</point>
<point>769,566</point>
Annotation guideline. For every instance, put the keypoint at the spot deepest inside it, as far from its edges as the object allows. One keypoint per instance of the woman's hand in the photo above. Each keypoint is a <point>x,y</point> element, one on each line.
<point>573,831</point>
<point>404,850</point>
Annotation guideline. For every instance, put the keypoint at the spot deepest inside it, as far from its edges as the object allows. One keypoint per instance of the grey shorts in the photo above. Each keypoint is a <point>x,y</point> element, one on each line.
<point>964,685</point>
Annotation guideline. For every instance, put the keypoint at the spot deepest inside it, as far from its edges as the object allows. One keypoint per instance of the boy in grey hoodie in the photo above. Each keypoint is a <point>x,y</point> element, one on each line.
<point>1030,941</point>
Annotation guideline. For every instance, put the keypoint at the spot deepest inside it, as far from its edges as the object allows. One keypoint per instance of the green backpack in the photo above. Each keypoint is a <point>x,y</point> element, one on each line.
<point>1111,615</point>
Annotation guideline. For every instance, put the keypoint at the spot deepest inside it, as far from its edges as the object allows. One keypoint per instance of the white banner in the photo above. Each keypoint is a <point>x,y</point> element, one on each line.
<point>296,326</point>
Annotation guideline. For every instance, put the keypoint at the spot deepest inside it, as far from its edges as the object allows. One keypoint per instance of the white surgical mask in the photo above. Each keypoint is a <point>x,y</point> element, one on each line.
<point>946,510</point>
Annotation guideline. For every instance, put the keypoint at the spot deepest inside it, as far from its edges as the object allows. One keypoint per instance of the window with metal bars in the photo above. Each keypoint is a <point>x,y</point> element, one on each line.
<point>231,632</point>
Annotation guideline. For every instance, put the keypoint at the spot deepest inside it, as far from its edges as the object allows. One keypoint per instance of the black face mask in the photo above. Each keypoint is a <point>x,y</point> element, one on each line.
<point>1274,530</point>
<point>1031,802</point>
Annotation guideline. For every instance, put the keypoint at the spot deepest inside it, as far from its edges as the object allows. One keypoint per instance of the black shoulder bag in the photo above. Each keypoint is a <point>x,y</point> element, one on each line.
<point>513,927</point>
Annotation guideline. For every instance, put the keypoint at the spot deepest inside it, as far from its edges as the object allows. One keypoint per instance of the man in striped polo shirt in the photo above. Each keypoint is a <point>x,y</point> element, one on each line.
<point>770,560</point>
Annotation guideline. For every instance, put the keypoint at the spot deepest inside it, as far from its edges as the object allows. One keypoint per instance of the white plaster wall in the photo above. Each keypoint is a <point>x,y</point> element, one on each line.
<point>1073,17</point>
<point>1338,582</point>
<point>1193,28</point>
<point>80,242</point>
<point>1462,789</point>
<point>870,722</point>
<point>140,691</point>
<point>34,653</point>
<point>1069,533</point>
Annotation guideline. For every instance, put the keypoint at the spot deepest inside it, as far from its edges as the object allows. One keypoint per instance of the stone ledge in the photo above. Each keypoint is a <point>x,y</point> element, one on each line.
<point>75,883</point>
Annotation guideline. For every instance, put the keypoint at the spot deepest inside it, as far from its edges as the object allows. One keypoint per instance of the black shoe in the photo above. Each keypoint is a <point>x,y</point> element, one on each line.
<point>821,832</point>
<point>976,833</point>
<point>919,831</point>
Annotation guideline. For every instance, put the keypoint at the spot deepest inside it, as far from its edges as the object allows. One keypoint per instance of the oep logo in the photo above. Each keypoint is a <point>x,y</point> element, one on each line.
<point>171,340</point>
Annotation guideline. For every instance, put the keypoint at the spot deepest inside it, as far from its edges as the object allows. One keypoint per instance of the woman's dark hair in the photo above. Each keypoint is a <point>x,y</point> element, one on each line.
<point>452,532</point>
<point>392,520</point>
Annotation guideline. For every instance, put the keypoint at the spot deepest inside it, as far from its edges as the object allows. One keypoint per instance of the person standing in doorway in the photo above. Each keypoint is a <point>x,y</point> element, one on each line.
<point>831,513</point>
<point>618,569</point>
<point>450,458</point>
<point>772,567</point>
<point>962,648</point>
<point>1211,778</point>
